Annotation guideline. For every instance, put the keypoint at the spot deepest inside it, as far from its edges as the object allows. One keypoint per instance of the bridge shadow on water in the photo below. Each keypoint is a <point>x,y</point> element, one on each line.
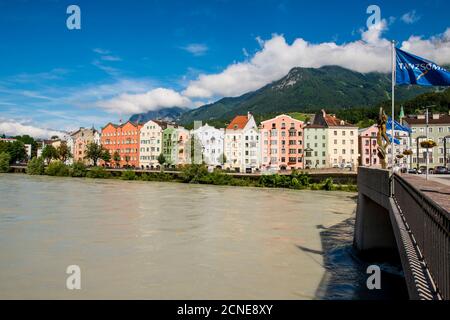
<point>345,276</point>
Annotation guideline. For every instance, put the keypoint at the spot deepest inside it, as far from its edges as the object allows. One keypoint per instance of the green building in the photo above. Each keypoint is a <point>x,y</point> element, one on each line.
<point>174,145</point>
<point>315,143</point>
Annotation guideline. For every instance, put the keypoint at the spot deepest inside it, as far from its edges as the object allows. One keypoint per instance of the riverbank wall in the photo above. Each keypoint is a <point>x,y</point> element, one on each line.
<point>347,178</point>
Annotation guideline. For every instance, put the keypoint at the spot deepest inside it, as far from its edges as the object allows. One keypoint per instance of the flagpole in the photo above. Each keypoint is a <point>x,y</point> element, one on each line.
<point>393,106</point>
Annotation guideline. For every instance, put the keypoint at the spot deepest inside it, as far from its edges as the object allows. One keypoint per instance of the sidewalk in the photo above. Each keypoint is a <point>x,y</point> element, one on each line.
<point>436,188</point>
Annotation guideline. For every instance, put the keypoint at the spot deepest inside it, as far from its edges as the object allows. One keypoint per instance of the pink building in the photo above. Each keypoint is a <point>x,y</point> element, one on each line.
<point>368,147</point>
<point>282,143</point>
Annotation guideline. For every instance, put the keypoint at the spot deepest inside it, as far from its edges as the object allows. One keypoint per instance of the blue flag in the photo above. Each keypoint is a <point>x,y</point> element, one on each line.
<point>412,69</point>
<point>397,126</point>
<point>396,141</point>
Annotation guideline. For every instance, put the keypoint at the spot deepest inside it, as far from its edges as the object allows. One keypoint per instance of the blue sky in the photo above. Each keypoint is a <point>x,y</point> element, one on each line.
<point>133,55</point>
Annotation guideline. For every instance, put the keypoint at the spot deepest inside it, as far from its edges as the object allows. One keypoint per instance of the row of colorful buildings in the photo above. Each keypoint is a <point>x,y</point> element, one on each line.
<point>281,143</point>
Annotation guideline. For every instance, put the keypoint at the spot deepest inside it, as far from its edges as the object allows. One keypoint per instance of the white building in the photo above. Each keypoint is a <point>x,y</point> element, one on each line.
<point>71,146</point>
<point>242,144</point>
<point>150,144</point>
<point>212,144</point>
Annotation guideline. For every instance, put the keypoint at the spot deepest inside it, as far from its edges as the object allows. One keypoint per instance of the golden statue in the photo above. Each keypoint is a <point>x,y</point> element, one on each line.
<point>382,119</point>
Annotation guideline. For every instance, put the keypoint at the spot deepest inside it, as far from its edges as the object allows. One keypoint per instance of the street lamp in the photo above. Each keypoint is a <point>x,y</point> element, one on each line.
<point>426,129</point>
<point>417,150</point>
<point>445,150</point>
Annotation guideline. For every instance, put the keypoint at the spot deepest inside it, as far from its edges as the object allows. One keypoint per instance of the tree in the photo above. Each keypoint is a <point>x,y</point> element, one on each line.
<point>64,152</point>
<point>16,150</point>
<point>161,160</point>
<point>222,159</point>
<point>36,166</point>
<point>106,156</point>
<point>26,139</point>
<point>94,152</point>
<point>49,153</point>
<point>4,161</point>
<point>196,150</point>
<point>54,138</point>
<point>127,159</point>
<point>116,158</point>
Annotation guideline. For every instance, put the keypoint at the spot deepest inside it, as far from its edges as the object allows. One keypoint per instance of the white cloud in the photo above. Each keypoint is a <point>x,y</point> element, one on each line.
<point>101,51</point>
<point>106,56</point>
<point>410,17</point>
<point>110,58</point>
<point>14,128</point>
<point>277,57</point>
<point>436,48</point>
<point>152,100</point>
<point>197,49</point>
<point>107,69</point>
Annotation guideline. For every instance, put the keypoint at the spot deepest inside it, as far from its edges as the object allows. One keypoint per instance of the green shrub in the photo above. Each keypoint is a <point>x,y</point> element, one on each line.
<point>78,170</point>
<point>5,158</point>
<point>303,178</point>
<point>57,169</point>
<point>241,182</point>
<point>157,176</point>
<point>194,173</point>
<point>128,175</point>
<point>315,186</point>
<point>296,181</point>
<point>98,173</point>
<point>36,166</point>
<point>349,188</point>
<point>328,184</point>
<point>216,178</point>
<point>295,184</point>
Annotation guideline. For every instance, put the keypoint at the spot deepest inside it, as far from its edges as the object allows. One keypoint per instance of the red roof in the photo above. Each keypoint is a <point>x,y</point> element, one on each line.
<point>335,122</point>
<point>238,122</point>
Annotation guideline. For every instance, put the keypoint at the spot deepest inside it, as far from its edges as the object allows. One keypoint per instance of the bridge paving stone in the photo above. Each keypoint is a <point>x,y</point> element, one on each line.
<point>438,192</point>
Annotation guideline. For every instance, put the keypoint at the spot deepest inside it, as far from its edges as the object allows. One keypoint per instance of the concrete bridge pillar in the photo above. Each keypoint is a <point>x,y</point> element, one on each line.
<point>373,228</point>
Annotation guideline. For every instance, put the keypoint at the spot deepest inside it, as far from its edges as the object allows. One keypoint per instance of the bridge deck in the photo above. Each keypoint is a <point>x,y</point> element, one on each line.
<point>438,192</point>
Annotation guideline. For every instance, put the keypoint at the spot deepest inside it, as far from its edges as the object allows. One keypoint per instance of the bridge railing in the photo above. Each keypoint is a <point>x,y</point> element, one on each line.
<point>430,227</point>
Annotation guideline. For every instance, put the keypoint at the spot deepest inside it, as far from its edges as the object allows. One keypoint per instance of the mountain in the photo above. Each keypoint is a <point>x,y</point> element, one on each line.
<point>307,90</point>
<point>167,114</point>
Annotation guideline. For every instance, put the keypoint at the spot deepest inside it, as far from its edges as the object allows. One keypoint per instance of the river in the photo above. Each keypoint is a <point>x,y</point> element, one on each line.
<point>150,240</point>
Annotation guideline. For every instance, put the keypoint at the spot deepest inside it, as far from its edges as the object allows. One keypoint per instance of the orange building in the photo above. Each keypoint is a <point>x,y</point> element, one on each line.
<point>124,139</point>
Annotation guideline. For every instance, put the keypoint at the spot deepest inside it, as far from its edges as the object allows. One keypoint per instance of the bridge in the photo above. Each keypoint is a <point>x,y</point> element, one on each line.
<point>410,216</point>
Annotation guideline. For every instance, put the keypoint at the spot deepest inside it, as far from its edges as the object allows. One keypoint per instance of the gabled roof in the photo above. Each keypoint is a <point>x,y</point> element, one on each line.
<point>110,124</point>
<point>164,124</point>
<point>332,121</point>
<point>239,122</point>
<point>329,121</point>
<point>93,130</point>
<point>137,125</point>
